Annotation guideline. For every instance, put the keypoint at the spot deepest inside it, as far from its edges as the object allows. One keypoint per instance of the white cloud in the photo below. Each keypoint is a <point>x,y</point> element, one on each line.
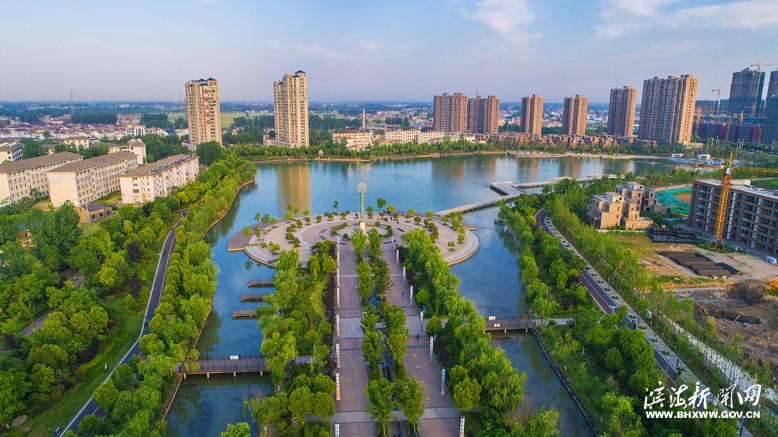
<point>506,17</point>
<point>621,17</point>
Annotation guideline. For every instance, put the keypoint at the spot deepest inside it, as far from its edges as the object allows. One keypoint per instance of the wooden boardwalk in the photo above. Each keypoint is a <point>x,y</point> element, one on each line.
<point>260,283</point>
<point>243,314</point>
<point>225,365</point>
<point>254,297</point>
<point>512,323</point>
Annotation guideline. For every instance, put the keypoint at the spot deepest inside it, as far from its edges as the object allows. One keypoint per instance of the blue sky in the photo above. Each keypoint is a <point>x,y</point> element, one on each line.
<point>376,50</point>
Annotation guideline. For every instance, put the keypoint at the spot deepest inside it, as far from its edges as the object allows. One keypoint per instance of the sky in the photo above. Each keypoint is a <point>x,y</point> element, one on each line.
<point>362,50</point>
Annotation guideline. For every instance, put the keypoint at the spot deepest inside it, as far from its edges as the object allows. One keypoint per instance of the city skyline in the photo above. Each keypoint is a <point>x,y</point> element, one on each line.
<point>506,48</point>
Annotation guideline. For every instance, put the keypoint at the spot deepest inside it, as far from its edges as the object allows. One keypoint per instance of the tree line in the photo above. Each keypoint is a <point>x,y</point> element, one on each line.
<point>133,397</point>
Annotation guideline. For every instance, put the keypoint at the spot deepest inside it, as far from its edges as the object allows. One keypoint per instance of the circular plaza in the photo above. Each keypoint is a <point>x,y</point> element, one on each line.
<point>263,242</point>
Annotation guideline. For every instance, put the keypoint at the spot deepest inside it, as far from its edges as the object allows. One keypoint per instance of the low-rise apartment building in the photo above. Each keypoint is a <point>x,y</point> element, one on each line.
<point>611,209</point>
<point>751,219</point>
<point>158,179</point>
<point>19,178</point>
<point>88,180</point>
<point>355,139</point>
<point>135,146</point>
<point>77,141</point>
<point>11,151</point>
<point>639,194</point>
<point>413,136</point>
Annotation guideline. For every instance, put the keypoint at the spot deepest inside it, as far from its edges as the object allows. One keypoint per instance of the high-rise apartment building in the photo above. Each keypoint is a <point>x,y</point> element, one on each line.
<point>202,109</point>
<point>291,110</point>
<point>667,109</point>
<point>532,114</point>
<point>745,93</point>
<point>772,88</point>
<point>483,115</point>
<point>574,115</point>
<point>770,133</point>
<point>621,111</point>
<point>450,113</point>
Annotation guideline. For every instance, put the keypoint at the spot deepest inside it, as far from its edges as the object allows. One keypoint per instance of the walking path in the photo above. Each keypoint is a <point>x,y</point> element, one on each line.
<point>353,370</point>
<point>609,300</point>
<point>440,417</point>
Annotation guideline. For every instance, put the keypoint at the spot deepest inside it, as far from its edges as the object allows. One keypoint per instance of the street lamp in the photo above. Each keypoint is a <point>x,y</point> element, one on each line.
<point>362,187</point>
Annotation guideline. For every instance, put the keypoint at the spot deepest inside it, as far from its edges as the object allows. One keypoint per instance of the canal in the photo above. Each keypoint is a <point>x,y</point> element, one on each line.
<point>490,278</point>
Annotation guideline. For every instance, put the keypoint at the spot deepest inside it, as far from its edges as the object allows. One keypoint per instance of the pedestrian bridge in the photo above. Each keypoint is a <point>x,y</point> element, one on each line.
<point>230,364</point>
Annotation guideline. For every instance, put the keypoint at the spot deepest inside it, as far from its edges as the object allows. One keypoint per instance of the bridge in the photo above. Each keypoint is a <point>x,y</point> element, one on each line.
<point>243,314</point>
<point>260,283</point>
<point>518,323</point>
<point>233,364</point>
<point>511,190</point>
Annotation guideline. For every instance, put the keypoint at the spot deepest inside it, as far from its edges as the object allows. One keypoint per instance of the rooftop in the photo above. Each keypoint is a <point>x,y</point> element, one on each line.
<point>40,161</point>
<point>744,186</point>
<point>162,164</point>
<point>10,146</point>
<point>97,161</point>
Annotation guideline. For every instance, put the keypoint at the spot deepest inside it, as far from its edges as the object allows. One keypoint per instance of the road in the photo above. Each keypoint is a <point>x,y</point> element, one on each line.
<point>604,300</point>
<point>154,296</point>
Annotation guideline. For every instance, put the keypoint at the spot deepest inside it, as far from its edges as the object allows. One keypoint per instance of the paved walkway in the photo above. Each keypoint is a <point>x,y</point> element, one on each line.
<point>440,417</point>
<point>353,370</point>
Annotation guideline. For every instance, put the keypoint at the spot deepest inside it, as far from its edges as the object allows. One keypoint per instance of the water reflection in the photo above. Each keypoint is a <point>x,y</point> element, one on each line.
<point>294,186</point>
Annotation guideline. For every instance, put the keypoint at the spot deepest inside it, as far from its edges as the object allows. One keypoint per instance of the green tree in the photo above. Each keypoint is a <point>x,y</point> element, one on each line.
<point>300,404</point>
<point>13,389</point>
<point>410,400</point>
<point>466,394</point>
<point>380,203</point>
<point>106,395</point>
<point>209,152</point>
<point>543,423</point>
<point>381,402</point>
<point>240,429</point>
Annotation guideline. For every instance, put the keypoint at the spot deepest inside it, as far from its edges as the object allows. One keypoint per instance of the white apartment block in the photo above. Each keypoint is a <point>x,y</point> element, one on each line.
<point>413,136</point>
<point>11,151</point>
<point>355,140</point>
<point>158,179</point>
<point>90,179</point>
<point>19,178</point>
<point>134,146</point>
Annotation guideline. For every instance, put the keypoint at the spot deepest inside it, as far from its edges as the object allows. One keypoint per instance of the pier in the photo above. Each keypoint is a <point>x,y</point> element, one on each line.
<point>233,364</point>
<point>254,297</point>
<point>243,314</point>
<point>260,283</point>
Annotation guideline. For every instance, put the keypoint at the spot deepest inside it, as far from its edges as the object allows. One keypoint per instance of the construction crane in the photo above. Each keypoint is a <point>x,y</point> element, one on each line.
<point>718,100</point>
<point>726,185</point>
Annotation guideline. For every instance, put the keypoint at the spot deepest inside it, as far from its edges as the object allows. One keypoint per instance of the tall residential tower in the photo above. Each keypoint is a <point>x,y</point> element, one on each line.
<point>621,111</point>
<point>450,113</point>
<point>574,115</point>
<point>291,110</point>
<point>745,92</point>
<point>532,114</point>
<point>667,109</point>
<point>202,109</point>
<point>483,115</point>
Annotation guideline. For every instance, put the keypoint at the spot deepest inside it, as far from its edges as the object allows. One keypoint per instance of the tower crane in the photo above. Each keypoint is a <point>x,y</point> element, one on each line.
<point>726,185</point>
<point>718,100</point>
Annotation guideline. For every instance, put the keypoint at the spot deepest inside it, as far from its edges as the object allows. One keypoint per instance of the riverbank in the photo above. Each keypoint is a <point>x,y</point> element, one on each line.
<point>372,159</point>
<point>545,155</point>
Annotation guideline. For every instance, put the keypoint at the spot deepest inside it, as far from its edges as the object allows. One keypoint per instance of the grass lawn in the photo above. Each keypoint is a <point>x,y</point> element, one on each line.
<point>771,183</point>
<point>227,117</point>
<point>114,197</point>
<point>91,374</point>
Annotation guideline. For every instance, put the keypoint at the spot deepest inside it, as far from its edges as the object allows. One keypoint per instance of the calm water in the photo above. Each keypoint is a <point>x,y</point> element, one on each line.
<point>490,278</point>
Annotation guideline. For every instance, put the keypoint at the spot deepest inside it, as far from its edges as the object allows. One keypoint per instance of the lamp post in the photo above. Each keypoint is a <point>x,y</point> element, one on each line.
<point>362,187</point>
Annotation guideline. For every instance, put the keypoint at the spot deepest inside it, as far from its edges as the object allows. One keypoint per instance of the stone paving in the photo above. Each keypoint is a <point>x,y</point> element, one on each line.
<point>441,418</point>
<point>314,232</point>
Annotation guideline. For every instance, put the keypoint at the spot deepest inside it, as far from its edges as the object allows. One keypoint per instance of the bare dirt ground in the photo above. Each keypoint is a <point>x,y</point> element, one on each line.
<point>746,314</point>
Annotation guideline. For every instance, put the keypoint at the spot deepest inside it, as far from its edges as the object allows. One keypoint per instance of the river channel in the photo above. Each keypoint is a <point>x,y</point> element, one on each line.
<point>490,278</point>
